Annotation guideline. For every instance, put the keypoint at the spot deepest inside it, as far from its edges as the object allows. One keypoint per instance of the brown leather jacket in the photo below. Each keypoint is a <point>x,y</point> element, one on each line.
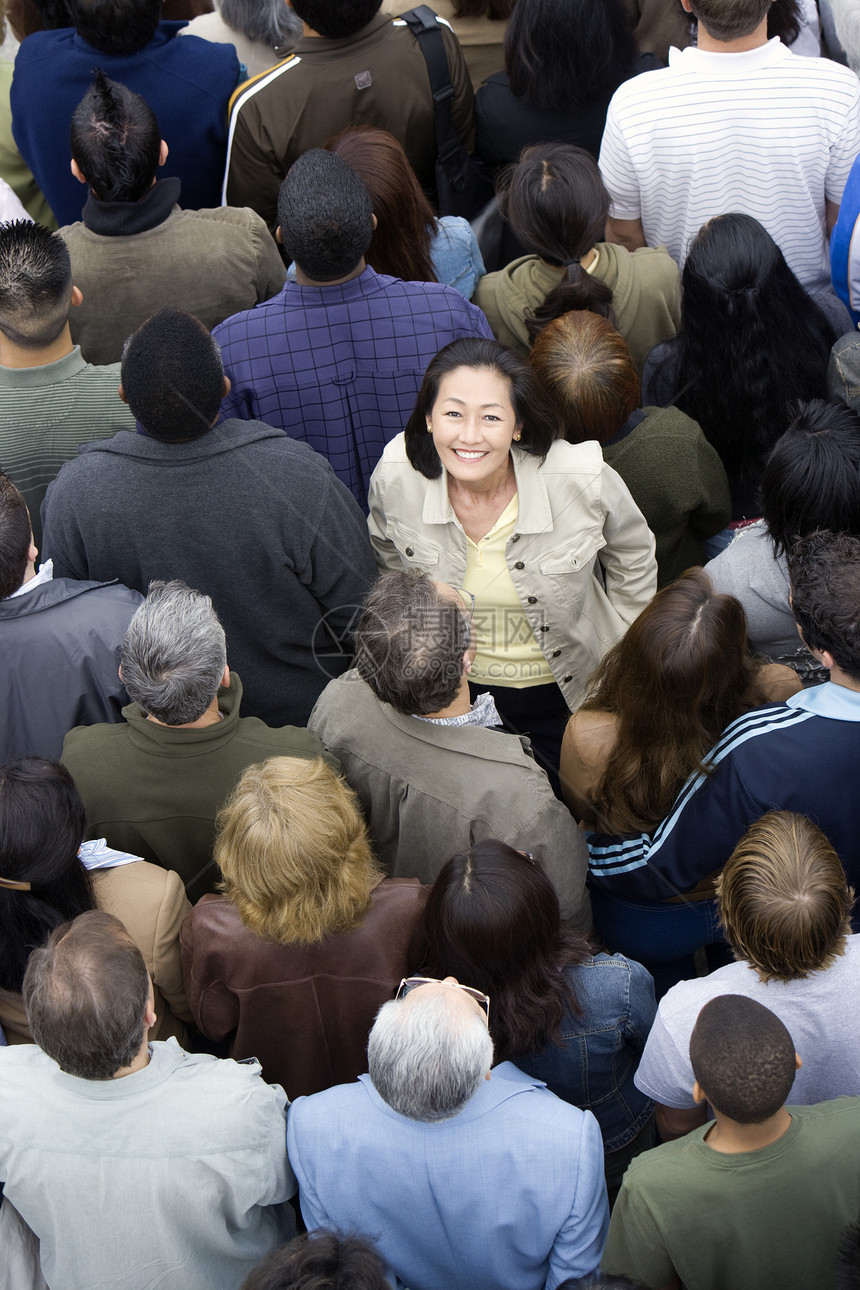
<point>304,1011</point>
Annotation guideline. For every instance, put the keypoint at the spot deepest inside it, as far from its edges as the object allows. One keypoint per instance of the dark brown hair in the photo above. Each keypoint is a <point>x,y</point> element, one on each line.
<point>15,537</point>
<point>680,674</point>
<point>405,223</point>
<point>784,899</point>
<point>492,919</point>
<point>586,366</point>
<point>556,203</point>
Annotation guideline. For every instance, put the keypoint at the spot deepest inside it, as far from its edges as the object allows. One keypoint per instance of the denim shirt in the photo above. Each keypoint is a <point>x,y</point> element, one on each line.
<point>600,1049</point>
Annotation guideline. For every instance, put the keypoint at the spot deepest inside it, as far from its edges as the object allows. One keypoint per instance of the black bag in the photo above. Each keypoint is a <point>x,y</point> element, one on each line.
<point>462,187</point>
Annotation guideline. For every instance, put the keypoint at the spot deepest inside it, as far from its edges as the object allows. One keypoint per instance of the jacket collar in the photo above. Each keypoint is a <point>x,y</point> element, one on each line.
<point>124,219</point>
<point>534,513</point>
<point>154,739</point>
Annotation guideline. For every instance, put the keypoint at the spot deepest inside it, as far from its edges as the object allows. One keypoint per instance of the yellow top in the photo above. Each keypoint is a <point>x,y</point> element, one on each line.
<point>508,652</point>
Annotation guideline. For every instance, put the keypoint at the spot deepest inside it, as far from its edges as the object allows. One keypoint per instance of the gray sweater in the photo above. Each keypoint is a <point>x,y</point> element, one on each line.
<point>749,570</point>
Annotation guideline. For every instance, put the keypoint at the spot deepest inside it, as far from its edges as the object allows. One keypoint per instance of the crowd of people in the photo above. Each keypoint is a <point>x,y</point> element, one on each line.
<point>430,612</point>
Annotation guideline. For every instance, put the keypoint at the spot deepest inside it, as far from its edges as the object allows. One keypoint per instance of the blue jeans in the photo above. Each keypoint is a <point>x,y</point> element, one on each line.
<point>662,937</point>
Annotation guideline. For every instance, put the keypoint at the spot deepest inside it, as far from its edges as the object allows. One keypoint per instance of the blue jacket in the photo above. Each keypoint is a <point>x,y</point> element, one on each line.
<point>187,83</point>
<point>798,756</point>
<point>844,262</point>
<point>594,1065</point>
<point>506,1195</point>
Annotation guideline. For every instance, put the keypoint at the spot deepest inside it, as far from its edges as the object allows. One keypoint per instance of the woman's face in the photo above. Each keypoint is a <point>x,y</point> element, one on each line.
<point>473,423</point>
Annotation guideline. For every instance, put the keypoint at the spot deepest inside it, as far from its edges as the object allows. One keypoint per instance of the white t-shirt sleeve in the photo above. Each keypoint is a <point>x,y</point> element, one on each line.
<point>845,149</point>
<point>665,1073</point>
<point>616,167</point>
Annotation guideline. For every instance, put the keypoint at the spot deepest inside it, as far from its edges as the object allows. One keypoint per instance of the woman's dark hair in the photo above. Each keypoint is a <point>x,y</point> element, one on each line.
<point>560,54</point>
<point>585,365</point>
<point>811,479</point>
<point>405,224</point>
<point>752,341</point>
<point>555,201</point>
<point>42,826</point>
<point>679,675</point>
<point>492,920</point>
<point>541,424</point>
<point>784,20</point>
<point>115,26</point>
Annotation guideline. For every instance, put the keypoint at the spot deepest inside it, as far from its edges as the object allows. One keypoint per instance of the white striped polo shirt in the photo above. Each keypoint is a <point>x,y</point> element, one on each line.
<point>764,132</point>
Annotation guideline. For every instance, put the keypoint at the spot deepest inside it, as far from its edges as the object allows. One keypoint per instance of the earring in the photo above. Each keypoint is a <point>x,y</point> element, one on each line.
<point>517,437</point>
<point>429,428</point>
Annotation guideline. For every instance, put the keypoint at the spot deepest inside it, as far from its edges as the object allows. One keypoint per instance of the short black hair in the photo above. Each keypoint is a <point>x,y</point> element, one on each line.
<point>35,284</point>
<point>336,19</point>
<point>115,26</point>
<point>824,571</point>
<point>173,377</point>
<point>321,1260</point>
<point>541,424</point>
<point>812,477</point>
<point>325,215</point>
<point>16,533</point>
<point>115,140</point>
<point>743,1058</point>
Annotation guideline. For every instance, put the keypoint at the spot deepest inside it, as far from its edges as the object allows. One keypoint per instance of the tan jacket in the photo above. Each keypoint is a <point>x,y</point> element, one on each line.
<point>645,286</point>
<point>150,902</point>
<point>581,557</point>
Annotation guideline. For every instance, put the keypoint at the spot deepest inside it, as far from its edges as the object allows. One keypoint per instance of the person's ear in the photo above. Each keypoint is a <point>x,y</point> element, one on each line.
<point>78,174</point>
<point>226,387</point>
<point>375,222</point>
<point>121,392</point>
<point>32,552</point>
<point>77,297</point>
<point>224,683</point>
<point>698,1094</point>
<point>163,150</point>
<point>467,660</point>
<point>278,237</point>
<point>797,1062</point>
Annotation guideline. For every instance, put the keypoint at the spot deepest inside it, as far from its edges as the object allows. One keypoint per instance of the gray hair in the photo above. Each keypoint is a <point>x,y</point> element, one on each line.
<point>410,642</point>
<point>270,21</point>
<point>428,1060</point>
<point>174,654</point>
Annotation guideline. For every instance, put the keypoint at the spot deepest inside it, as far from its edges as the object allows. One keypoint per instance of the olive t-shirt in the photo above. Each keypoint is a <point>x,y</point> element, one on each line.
<point>764,1218</point>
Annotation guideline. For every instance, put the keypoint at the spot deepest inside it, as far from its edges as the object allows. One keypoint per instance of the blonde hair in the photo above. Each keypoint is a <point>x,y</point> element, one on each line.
<point>293,849</point>
<point>784,899</point>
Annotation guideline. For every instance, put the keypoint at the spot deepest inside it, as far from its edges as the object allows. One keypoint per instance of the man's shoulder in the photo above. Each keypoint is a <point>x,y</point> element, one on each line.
<point>102,741</point>
<point>86,599</point>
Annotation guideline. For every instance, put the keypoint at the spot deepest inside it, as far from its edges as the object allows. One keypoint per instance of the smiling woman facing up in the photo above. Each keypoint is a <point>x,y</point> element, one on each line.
<point>481,493</point>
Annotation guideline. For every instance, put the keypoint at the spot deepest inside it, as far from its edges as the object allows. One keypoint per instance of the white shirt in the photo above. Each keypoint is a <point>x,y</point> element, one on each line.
<point>765,132</point>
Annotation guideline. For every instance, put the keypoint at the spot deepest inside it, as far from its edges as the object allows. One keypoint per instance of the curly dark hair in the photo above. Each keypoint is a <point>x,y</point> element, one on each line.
<point>824,570</point>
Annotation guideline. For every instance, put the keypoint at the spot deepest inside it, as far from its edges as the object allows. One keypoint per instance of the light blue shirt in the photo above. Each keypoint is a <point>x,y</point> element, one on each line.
<point>506,1195</point>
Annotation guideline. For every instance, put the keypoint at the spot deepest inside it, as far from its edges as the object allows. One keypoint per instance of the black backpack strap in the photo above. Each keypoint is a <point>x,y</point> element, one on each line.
<point>423,24</point>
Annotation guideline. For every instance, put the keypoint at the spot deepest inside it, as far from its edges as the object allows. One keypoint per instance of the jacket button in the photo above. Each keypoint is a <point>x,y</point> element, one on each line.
<point>409,551</point>
<point>567,679</point>
<point>531,600</point>
<point>519,565</point>
<point>515,538</point>
<point>555,653</point>
<point>544,627</point>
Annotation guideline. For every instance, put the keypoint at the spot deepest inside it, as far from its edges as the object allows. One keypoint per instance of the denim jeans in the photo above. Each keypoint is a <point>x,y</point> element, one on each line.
<point>662,936</point>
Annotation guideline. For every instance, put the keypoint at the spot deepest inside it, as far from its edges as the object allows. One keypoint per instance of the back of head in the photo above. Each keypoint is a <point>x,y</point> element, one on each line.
<point>400,245</point>
<point>587,367</point>
<point>560,54</point>
<point>784,900</point>
<point>16,534</point>
<point>492,919</point>
<point>35,284</point>
<point>429,1053</point>
<point>751,343</point>
<point>269,21</point>
<point>115,26</point>
<point>727,20</point>
<point>325,216</point>
<point>557,204</point>
<point>678,676</point>
<point>321,1260</point>
<point>824,571</point>
<point>410,643</point>
<point>743,1058</point>
<point>115,141</point>
<point>812,477</point>
<point>173,377</point>
<point>86,993</point>
<point>174,654</point>
<point>336,19</point>
<point>42,881</point>
<point>292,846</point>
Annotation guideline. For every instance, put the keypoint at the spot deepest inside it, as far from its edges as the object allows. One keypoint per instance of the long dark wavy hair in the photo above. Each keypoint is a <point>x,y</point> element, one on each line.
<point>42,826</point>
<point>561,54</point>
<point>492,920</point>
<point>555,201</point>
<point>751,341</point>
<point>680,674</point>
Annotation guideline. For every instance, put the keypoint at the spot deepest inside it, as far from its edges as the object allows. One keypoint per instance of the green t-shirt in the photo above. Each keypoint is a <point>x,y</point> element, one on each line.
<point>742,1222</point>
